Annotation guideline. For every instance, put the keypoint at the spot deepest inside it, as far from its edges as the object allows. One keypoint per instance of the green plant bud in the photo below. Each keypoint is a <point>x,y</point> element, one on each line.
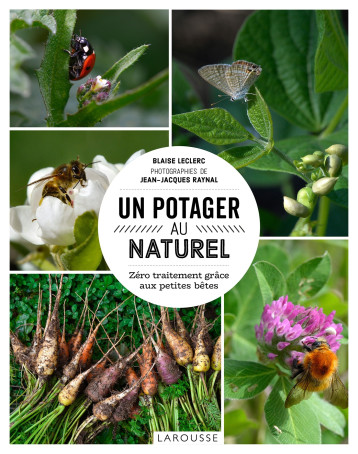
<point>311,160</point>
<point>333,165</point>
<point>319,154</point>
<point>324,185</point>
<point>295,208</point>
<point>339,150</point>
<point>306,197</point>
<point>315,176</point>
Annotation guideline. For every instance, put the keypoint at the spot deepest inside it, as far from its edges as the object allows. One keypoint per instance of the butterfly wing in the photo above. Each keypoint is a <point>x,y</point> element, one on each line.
<point>215,75</point>
<point>300,391</point>
<point>337,393</point>
<point>241,76</point>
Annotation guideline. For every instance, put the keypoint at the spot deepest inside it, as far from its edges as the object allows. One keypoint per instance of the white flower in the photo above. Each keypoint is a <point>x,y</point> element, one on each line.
<point>110,170</point>
<point>99,84</point>
<point>52,221</point>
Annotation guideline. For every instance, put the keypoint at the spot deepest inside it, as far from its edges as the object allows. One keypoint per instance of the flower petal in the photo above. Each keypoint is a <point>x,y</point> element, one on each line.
<point>134,156</point>
<point>100,164</point>
<point>56,221</point>
<point>90,197</point>
<point>21,220</point>
<point>37,176</point>
<point>282,345</point>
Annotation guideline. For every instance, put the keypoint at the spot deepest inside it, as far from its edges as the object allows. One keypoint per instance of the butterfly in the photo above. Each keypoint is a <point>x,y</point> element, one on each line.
<point>234,80</point>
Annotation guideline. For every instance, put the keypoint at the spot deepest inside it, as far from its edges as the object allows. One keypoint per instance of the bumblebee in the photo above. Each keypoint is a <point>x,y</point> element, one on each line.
<point>317,372</point>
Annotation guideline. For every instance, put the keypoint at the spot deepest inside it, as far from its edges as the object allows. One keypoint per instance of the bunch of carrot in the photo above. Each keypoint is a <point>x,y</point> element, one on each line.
<point>70,398</point>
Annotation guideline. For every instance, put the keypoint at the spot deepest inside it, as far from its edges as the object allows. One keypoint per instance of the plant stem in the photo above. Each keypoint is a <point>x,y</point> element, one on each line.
<point>289,161</point>
<point>301,226</point>
<point>261,432</point>
<point>212,382</point>
<point>336,119</point>
<point>193,397</point>
<point>323,213</point>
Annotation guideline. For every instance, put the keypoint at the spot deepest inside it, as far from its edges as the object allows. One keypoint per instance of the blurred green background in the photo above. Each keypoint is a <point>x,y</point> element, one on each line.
<point>33,150</point>
<point>112,33</point>
<point>244,419</point>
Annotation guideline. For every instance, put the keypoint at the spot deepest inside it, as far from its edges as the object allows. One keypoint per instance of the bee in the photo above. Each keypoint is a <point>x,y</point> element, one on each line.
<point>63,178</point>
<point>317,372</point>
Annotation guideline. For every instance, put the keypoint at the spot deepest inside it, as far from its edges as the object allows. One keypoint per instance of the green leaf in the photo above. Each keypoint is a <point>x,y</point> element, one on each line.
<point>331,61</point>
<point>295,425</point>
<point>283,42</point>
<point>309,278</point>
<point>124,63</point>
<point>25,18</point>
<point>296,148</point>
<point>93,113</point>
<point>246,379</point>
<point>87,254</point>
<point>53,73</point>
<point>275,254</point>
<point>329,416</point>
<point>271,281</point>
<point>20,51</point>
<point>242,300</point>
<point>243,156</point>
<point>236,422</point>
<point>260,117</point>
<point>216,126</point>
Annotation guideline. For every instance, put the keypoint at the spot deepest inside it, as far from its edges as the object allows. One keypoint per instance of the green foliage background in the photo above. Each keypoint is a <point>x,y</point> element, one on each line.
<point>311,273</point>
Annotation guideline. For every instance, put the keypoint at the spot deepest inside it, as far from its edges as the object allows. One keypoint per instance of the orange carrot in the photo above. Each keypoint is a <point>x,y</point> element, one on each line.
<point>75,341</point>
<point>145,361</point>
<point>70,371</point>
<point>63,351</point>
<point>131,376</point>
<point>86,355</point>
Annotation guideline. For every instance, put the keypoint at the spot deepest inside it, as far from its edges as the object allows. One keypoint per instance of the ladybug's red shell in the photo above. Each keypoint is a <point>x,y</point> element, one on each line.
<point>87,66</point>
<point>82,57</point>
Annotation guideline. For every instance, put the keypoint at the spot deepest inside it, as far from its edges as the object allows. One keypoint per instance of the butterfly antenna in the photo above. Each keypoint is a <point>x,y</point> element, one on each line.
<point>223,99</point>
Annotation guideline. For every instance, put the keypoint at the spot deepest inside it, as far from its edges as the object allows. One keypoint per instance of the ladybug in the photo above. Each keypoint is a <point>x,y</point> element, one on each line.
<point>82,57</point>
